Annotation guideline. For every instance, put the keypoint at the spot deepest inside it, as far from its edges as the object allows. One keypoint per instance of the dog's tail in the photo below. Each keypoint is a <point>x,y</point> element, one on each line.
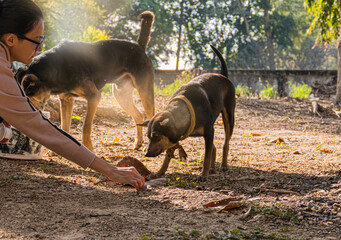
<point>222,62</point>
<point>147,20</point>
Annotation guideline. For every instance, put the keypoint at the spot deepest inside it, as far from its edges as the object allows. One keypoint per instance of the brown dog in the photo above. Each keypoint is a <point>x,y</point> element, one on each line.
<point>79,69</point>
<point>192,111</point>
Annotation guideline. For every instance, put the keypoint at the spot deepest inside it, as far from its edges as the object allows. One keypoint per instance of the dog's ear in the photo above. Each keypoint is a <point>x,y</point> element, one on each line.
<point>20,73</point>
<point>144,124</point>
<point>30,84</point>
<point>164,122</point>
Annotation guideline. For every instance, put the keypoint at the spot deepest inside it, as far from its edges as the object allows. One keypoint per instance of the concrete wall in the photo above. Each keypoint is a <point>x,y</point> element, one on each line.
<point>255,78</point>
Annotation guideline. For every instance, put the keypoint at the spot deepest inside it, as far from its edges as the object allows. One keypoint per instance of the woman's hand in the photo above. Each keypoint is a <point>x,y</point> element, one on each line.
<point>122,175</point>
<point>127,175</point>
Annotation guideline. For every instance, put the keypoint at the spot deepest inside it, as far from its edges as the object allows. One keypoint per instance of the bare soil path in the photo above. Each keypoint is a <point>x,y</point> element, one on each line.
<point>293,187</point>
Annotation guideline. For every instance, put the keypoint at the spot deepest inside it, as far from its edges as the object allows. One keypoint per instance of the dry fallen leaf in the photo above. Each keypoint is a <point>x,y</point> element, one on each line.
<point>221,202</point>
<point>277,140</point>
<point>255,134</point>
<point>110,142</point>
<point>233,205</point>
<point>296,152</point>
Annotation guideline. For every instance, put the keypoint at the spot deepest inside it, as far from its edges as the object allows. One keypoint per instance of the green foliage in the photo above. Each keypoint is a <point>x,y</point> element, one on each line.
<point>236,28</point>
<point>181,183</point>
<point>168,90</point>
<point>239,31</point>
<point>94,34</point>
<point>326,19</point>
<point>70,19</point>
<point>268,91</point>
<point>299,90</point>
<point>157,90</point>
<point>239,234</point>
<point>275,212</point>
<point>194,163</point>
<point>236,234</point>
<point>242,90</point>
<point>77,117</point>
<point>193,234</point>
<point>107,89</point>
<point>321,148</point>
<point>148,237</point>
<point>123,23</point>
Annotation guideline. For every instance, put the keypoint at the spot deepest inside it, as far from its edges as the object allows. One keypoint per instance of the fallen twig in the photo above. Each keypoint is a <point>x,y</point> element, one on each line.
<point>100,215</point>
<point>316,108</point>
<point>337,113</point>
<point>245,215</point>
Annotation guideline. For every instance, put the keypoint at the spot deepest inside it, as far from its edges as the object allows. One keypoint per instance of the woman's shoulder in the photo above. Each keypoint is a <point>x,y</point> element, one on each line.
<point>7,81</point>
<point>4,58</point>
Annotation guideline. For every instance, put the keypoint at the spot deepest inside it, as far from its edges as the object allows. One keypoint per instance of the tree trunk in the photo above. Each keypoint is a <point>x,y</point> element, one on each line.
<point>247,27</point>
<point>179,37</point>
<point>268,33</point>
<point>338,86</point>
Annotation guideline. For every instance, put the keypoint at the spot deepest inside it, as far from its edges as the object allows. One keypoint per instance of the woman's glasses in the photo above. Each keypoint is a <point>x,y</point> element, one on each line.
<point>32,41</point>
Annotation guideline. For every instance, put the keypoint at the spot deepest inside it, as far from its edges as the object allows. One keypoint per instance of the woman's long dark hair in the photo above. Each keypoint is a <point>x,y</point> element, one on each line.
<point>18,16</point>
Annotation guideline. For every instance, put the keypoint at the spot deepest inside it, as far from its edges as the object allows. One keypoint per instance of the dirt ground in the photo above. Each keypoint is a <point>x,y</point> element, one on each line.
<point>287,188</point>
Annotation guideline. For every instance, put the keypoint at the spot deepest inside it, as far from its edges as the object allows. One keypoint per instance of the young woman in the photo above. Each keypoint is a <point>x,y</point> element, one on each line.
<point>21,36</point>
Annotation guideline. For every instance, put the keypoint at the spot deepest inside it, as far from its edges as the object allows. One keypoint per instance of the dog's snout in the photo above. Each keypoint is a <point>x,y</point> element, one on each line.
<point>149,153</point>
<point>153,153</point>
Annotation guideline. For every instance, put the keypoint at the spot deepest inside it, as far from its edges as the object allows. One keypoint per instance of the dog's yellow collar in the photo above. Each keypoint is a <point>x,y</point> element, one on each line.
<point>192,113</point>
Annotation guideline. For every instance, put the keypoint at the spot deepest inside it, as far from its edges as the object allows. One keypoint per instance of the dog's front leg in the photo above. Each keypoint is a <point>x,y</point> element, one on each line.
<point>164,166</point>
<point>213,158</point>
<point>66,108</point>
<point>208,155</point>
<point>93,102</point>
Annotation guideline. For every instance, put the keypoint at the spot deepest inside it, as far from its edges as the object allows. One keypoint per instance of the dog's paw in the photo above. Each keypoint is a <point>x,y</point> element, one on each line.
<point>137,146</point>
<point>154,176</point>
<point>89,145</point>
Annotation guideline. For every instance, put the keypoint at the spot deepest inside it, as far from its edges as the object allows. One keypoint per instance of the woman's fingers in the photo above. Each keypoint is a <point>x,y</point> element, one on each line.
<point>128,175</point>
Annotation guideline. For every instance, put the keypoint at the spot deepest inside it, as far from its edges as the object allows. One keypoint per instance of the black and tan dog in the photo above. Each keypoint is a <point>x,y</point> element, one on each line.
<point>79,69</point>
<point>191,112</point>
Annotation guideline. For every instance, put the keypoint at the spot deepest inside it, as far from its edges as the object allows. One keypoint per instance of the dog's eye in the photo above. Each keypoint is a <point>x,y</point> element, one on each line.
<point>156,136</point>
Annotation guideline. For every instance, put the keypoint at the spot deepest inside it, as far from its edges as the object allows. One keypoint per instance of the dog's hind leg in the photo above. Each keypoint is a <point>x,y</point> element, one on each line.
<point>146,92</point>
<point>228,133</point>
<point>123,91</point>
<point>66,108</point>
